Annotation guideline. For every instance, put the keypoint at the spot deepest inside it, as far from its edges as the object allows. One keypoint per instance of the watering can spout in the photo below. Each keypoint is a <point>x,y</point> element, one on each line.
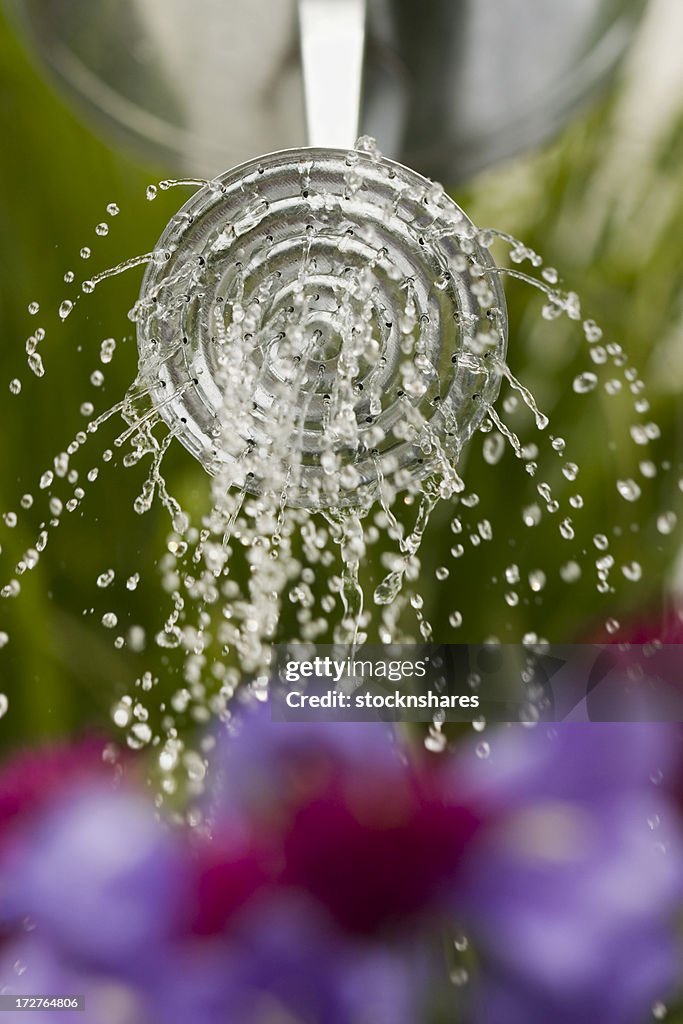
<point>448,86</point>
<point>332,34</point>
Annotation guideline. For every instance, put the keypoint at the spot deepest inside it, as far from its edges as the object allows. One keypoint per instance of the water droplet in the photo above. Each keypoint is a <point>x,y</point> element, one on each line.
<point>584,383</point>
<point>86,252</point>
<point>4,704</point>
<point>104,580</point>
<point>65,308</point>
<point>109,620</point>
<point>33,308</point>
<point>435,741</point>
<point>591,331</point>
<point>151,192</point>
<point>195,766</point>
<point>102,229</point>
<point>628,489</point>
<point>459,976</point>
<point>167,639</point>
<point>15,386</point>
<point>485,529</point>
<point>666,522</point>
<point>531,515</point>
<point>139,736</point>
<point>566,529</point>
<point>483,749</point>
<point>121,713</point>
<point>537,580</point>
<point>599,355</point>
<point>35,363</point>
<point>107,348</point>
<point>493,448</point>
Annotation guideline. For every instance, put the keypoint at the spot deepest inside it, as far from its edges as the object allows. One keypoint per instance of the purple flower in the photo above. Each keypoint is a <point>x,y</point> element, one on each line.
<point>31,967</point>
<point>151,925</point>
<point>570,896</point>
<point>340,801</point>
<point>32,779</point>
<point>260,766</point>
<point>331,861</point>
<point>557,852</point>
<point>284,960</point>
<point>102,877</point>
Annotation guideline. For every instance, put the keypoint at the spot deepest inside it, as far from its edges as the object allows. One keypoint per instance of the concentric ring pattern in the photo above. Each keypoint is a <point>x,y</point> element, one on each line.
<point>320,323</point>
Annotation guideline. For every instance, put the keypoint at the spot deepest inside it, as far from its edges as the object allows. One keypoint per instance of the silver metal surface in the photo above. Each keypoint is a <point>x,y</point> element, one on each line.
<point>450,86</point>
<point>332,44</point>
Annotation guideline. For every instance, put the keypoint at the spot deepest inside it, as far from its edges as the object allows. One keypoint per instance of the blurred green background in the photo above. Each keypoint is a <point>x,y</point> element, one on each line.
<point>603,203</point>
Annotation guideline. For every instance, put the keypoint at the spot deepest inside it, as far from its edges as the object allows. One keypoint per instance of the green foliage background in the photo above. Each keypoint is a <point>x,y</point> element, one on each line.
<point>618,245</point>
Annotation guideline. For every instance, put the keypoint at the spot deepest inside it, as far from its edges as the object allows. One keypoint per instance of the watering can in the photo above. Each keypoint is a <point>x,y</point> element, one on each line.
<point>447,87</point>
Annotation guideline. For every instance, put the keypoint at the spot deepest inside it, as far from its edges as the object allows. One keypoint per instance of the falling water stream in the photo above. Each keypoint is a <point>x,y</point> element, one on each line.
<point>326,332</point>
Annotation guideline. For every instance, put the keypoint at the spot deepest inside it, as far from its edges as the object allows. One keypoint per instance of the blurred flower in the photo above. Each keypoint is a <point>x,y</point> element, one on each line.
<point>328,863</point>
<point>103,877</point>
<point>33,778</point>
<point>341,801</point>
<point>570,896</point>
<point>544,849</point>
<point>282,960</point>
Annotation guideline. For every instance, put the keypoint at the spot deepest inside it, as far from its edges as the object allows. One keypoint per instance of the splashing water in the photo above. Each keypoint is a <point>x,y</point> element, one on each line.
<point>325,332</point>
<point>321,333</point>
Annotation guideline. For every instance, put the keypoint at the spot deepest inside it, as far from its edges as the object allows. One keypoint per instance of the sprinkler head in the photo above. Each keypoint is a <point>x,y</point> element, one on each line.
<point>320,323</point>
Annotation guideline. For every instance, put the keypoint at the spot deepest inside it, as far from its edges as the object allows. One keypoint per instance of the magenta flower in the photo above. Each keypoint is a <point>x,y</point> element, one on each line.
<point>340,800</point>
<point>331,863</point>
<point>32,779</point>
